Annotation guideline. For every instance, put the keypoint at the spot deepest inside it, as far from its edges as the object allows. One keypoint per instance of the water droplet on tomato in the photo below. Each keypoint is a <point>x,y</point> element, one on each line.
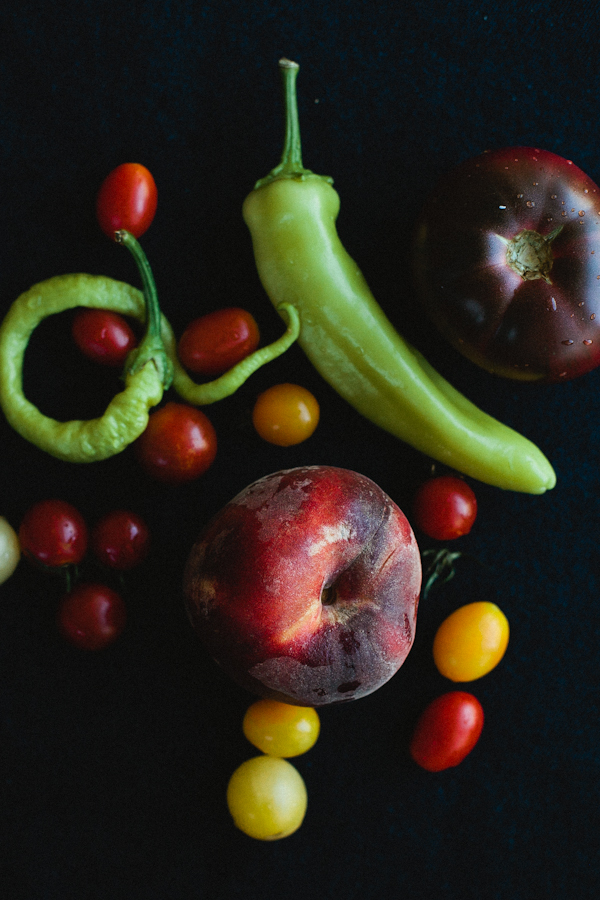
<point>567,343</point>
<point>530,203</point>
<point>582,212</point>
<point>593,316</point>
<point>587,342</point>
<point>553,302</point>
<point>553,196</point>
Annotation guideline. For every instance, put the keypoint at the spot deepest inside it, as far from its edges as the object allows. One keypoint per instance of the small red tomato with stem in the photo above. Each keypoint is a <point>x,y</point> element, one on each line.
<point>445,507</point>
<point>53,533</point>
<point>446,731</point>
<point>214,343</point>
<point>91,616</point>
<point>120,540</point>
<point>103,336</point>
<point>127,200</point>
<point>178,445</point>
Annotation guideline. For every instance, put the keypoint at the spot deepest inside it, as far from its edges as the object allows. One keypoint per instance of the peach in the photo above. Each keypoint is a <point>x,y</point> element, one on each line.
<point>305,586</point>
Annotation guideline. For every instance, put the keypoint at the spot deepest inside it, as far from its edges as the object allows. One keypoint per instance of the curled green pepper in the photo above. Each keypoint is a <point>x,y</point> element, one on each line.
<point>291,215</point>
<point>150,369</point>
<point>125,417</point>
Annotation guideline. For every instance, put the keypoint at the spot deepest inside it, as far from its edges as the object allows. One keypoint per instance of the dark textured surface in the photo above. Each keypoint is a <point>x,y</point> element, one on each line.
<point>114,765</point>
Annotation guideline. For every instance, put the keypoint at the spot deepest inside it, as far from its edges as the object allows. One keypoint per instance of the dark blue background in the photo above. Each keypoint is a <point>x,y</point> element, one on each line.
<point>114,766</point>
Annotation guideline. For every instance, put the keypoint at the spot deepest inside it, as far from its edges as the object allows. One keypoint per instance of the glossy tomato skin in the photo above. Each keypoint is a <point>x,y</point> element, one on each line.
<point>214,343</point>
<point>91,616</point>
<point>127,199</point>
<point>445,507</point>
<point>286,414</point>
<point>447,731</point>
<point>178,445</point>
<point>471,641</point>
<point>544,329</point>
<point>53,533</point>
<point>103,336</point>
<point>120,540</point>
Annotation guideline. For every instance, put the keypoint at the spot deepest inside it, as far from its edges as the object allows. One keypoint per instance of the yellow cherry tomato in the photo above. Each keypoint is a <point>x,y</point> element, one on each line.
<point>471,641</point>
<point>281,729</point>
<point>285,414</point>
<point>10,549</point>
<point>267,798</point>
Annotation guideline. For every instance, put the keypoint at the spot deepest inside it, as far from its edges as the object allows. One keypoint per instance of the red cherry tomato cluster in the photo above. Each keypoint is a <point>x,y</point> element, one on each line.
<point>180,443</point>
<point>54,535</point>
<point>468,644</point>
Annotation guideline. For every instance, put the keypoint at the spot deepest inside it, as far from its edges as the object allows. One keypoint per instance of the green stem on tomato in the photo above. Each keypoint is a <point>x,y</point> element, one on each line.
<point>151,348</point>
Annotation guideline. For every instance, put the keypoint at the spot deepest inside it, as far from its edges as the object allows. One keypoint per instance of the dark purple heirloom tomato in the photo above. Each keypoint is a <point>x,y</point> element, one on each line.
<point>507,263</point>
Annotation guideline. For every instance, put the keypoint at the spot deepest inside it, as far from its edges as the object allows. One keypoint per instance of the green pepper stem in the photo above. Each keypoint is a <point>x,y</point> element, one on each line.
<point>151,347</point>
<point>290,165</point>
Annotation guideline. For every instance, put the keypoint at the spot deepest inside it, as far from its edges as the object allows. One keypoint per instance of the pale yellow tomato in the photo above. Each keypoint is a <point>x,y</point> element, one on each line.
<point>10,550</point>
<point>471,641</point>
<point>281,729</point>
<point>267,798</point>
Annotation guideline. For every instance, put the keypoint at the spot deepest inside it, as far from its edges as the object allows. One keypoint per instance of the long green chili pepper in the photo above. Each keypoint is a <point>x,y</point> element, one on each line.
<point>291,215</point>
<point>149,369</point>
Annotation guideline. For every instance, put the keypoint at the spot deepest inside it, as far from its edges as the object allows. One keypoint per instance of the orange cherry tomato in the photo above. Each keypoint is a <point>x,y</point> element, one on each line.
<point>216,342</point>
<point>285,414</point>
<point>471,641</point>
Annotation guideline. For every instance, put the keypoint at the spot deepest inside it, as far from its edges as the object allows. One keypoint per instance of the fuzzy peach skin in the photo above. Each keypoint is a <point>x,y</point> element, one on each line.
<point>305,586</point>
